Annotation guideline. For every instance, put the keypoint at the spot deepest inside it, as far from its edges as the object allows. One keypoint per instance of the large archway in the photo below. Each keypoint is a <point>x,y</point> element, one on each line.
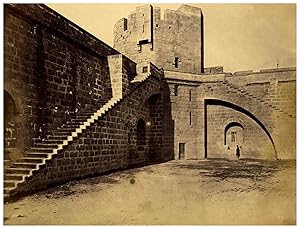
<point>239,109</point>
<point>155,127</point>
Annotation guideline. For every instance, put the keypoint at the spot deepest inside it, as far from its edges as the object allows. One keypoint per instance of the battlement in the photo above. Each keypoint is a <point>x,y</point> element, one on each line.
<point>173,43</point>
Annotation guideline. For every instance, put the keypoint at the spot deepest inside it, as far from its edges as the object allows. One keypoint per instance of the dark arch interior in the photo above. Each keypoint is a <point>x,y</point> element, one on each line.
<point>10,110</point>
<point>229,125</point>
<point>237,108</point>
<point>141,134</point>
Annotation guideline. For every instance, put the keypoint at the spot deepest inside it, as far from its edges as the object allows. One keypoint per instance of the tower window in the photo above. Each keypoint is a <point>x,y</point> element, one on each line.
<point>145,69</point>
<point>190,118</point>
<point>190,95</point>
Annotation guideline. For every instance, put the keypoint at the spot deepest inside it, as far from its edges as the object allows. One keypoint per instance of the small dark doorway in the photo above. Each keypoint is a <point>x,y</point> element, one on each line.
<point>10,113</point>
<point>181,150</point>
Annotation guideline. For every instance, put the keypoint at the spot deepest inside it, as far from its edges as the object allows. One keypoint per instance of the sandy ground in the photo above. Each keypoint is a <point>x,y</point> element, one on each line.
<point>177,192</point>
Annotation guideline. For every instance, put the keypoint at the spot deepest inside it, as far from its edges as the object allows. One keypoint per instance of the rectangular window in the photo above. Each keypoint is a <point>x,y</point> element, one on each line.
<point>233,136</point>
<point>181,150</point>
<point>190,118</point>
<point>143,23</point>
<point>145,69</point>
<point>176,63</point>
<point>190,95</point>
<point>175,89</point>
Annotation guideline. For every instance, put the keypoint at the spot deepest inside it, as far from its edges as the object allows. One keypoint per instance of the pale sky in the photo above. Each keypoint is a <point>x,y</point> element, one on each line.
<point>237,36</point>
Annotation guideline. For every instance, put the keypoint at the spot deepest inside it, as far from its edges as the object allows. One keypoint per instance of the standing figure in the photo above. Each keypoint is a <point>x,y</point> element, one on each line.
<point>238,152</point>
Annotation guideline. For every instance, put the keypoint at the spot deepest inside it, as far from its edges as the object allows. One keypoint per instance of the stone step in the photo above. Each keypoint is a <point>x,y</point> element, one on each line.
<point>40,149</point>
<point>71,125</point>
<point>7,163</point>
<point>77,120</point>
<point>87,113</point>
<point>7,190</point>
<point>32,160</point>
<point>58,137</point>
<point>62,133</point>
<point>85,117</point>
<point>46,145</point>
<point>9,176</point>
<point>24,165</point>
<point>25,171</point>
<point>37,155</point>
<point>66,129</point>
<point>6,196</point>
<point>9,183</point>
<point>48,141</point>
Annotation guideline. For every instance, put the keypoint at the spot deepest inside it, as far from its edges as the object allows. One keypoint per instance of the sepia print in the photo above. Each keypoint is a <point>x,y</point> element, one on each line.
<point>184,115</point>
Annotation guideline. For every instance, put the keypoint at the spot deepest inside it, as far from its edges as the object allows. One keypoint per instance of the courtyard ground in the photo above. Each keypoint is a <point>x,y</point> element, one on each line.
<point>177,192</point>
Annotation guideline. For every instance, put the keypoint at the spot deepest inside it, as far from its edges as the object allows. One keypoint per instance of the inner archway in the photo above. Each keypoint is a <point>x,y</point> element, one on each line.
<point>141,138</point>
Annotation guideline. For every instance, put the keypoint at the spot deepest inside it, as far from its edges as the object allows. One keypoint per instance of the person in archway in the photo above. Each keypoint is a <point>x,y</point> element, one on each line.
<point>238,151</point>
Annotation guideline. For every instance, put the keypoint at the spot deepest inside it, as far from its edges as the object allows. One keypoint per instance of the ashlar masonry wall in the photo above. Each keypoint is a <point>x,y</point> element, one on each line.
<point>208,108</point>
<point>52,69</point>
<point>105,146</point>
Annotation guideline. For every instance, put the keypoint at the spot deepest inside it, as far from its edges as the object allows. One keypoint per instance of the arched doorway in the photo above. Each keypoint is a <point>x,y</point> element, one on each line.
<point>233,137</point>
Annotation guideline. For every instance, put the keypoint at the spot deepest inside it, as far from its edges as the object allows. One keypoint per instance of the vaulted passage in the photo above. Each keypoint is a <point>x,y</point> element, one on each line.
<point>155,127</point>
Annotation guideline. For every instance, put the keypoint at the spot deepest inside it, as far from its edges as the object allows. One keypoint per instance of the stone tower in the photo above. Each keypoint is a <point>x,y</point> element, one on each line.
<point>174,43</point>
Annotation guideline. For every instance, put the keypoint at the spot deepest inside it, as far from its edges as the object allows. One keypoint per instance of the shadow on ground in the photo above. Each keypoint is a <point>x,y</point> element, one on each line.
<point>218,169</point>
<point>242,168</point>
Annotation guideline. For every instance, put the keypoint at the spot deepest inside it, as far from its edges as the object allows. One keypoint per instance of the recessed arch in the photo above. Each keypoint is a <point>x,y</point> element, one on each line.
<point>228,126</point>
<point>10,108</point>
<point>239,109</point>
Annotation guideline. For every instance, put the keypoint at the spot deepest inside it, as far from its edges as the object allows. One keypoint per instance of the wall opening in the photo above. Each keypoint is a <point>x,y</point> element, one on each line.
<point>141,135</point>
<point>145,69</point>
<point>10,113</point>
<point>181,151</point>
<point>176,62</point>
<point>233,133</point>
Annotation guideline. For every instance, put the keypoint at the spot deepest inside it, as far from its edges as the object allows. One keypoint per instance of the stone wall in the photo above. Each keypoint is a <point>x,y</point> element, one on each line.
<point>275,86</point>
<point>52,69</point>
<point>112,141</point>
<point>166,42</point>
<point>206,104</point>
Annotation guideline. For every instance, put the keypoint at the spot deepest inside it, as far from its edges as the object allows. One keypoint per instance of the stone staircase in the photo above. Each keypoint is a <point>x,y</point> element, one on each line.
<point>17,172</point>
<point>244,92</point>
<point>140,78</point>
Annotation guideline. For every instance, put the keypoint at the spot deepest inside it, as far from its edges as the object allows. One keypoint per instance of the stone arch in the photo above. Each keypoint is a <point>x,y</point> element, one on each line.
<point>155,126</point>
<point>215,101</point>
